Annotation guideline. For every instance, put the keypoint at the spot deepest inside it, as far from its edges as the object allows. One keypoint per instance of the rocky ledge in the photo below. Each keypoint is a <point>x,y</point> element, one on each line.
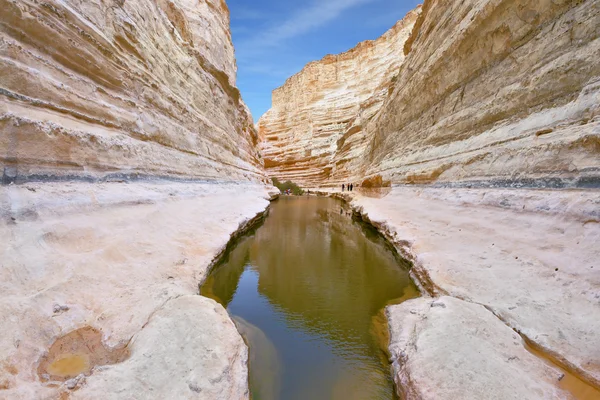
<point>510,266</point>
<point>99,288</point>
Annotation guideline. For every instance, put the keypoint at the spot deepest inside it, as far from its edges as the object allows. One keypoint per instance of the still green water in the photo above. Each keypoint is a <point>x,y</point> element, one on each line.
<point>307,291</point>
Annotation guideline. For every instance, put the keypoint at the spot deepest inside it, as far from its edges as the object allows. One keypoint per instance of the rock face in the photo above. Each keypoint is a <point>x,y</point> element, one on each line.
<point>123,262</point>
<point>444,353</point>
<point>502,92</point>
<point>528,256</point>
<point>99,277</point>
<point>314,130</point>
<point>214,365</point>
<point>92,89</point>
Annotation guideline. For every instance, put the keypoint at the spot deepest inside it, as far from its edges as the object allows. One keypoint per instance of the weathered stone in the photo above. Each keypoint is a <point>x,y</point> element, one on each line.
<point>108,250</point>
<point>462,351</point>
<point>314,130</point>
<point>498,92</point>
<point>96,89</point>
<point>189,349</point>
<point>463,243</point>
<point>482,79</point>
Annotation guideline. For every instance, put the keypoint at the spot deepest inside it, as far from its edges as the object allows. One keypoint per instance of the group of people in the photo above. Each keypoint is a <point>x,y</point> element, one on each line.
<point>349,186</point>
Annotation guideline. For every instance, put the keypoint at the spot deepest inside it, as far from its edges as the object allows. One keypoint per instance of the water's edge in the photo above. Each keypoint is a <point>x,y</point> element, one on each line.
<point>428,288</point>
<point>423,284</point>
<point>402,251</point>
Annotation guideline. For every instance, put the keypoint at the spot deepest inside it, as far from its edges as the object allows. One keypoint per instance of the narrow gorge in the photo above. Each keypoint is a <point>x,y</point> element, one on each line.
<point>133,174</point>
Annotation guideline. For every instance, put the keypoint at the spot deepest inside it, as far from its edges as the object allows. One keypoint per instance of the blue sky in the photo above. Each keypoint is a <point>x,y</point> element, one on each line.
<point>274,39</point>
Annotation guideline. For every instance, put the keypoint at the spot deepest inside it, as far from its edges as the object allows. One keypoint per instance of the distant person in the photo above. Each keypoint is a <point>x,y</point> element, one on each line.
<point>351,186</point>
<point>343,187</point>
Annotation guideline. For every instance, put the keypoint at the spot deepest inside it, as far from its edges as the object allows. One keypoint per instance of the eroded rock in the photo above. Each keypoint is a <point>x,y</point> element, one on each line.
<point>502,93</point>
<point>122,90</point>
<point>107,251</point>
<point>315,128</point>
<point>76,354</point>
<point>464,243</point>
<point>189,349</point>
<point>462,351</point>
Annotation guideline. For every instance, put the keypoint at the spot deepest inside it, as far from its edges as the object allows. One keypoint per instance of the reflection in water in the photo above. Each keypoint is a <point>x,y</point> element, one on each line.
<point>307,291</point>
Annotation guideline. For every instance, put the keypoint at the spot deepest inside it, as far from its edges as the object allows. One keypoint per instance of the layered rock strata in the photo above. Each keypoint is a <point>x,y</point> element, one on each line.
<point>122,261</point>
<point>494,91</point>
<point>315,126</point>
<point>487,93</point>
<point>95,89</point>
<point>99,277</point>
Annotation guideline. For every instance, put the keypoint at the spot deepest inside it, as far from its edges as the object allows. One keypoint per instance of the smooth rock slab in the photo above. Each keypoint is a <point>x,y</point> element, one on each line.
<point>451,349</point>
<point>530,256</point>
<point>190,349</point>
<point>104,256</point>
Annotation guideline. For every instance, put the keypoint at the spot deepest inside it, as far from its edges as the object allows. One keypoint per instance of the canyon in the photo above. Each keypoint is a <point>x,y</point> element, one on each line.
<point>130,162</point>
<point>479,92</point>
<point>315,127</point>
<point>480,162</point>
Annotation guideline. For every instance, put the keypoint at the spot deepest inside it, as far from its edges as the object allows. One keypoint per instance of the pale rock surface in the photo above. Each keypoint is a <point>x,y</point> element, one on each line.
<point>111,256</point>
<point>451,349</point>
<point>189,349</point>
<point>529,256</point>
<point>490,92</point>
<point>314,129</point>
<point>94,89</point>
<point>103,275</point>
<point>504,91</point>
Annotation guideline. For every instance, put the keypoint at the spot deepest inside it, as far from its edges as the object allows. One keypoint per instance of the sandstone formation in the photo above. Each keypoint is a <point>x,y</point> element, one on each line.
<point>315,128</point>
<point>125,88</point>
<point>494,91</point>
<point>489,92</point>
<point>100,260</point>
<point>213,365</point>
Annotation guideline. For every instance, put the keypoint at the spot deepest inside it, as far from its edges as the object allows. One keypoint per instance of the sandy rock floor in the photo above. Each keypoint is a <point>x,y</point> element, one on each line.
<point>113,258</point>
<point>452,349</point>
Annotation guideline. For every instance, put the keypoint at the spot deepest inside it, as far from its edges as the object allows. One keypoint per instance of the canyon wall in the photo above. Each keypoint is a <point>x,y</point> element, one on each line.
<point>486,92</point>
<point>504,92</point>
<point>315,128</point>
<point>128,160</point>
<point>125,88</point>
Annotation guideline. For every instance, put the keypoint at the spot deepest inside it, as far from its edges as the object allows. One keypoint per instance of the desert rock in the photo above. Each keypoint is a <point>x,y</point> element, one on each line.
<point>314,129</point>
<point>494,91</point>
<point>528,256</point>
<point>486,92</point>
<point>462,351</point>
<point>192,338</point>
<point>113,253</point>
<point>139,88</point>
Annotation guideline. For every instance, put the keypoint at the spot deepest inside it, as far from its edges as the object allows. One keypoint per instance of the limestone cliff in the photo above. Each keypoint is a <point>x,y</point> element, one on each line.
<point>95,272</point>
<point>486,92</point>
<point>314,130</point>
<point>501,92</point>
<point>96,89</point>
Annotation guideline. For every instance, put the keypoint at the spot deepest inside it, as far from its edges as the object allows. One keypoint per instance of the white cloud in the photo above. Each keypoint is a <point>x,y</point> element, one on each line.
<point>317,14</point>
